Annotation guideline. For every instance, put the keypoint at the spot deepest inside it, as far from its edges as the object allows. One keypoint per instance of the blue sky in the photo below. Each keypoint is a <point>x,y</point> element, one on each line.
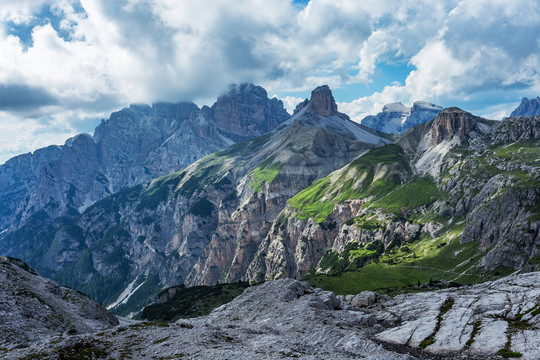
<point>68,63</point>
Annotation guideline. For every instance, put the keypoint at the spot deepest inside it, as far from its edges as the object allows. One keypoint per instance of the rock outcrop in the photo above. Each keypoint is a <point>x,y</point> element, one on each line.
<point>452,122</point>
<point>527,108</point>
<point>322,101</point>
<point>290,319</point>
<point>495,318</point>
<point>33,308</point>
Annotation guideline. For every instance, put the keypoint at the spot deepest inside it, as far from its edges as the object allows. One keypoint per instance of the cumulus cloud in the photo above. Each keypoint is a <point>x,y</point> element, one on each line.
<point>483,51</point>
<point>89,57</point>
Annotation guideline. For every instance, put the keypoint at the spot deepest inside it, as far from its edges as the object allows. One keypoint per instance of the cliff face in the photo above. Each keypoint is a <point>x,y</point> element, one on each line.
<point>322,101</point>
<point>246,110</point>
<point>200,225</point>
<point>136,144</point>
<point>451,122</point>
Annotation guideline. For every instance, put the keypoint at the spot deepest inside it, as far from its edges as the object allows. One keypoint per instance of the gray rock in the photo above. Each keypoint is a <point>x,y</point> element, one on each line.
<point>476,322</point>
<point>33,308</point>
<point>363,299</point>
<point>284,319</point>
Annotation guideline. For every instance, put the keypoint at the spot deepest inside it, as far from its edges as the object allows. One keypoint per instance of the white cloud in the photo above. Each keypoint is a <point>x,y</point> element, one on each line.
<point>114,53</point>
<point>291,102</point>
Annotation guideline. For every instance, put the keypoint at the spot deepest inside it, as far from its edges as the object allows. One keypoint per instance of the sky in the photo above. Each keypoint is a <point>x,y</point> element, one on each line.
<point>66,64</point>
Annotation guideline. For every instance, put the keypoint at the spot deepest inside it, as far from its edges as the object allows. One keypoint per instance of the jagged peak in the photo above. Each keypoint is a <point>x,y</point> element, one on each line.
<point>79,138</point>
<point>300,106</point>
<point>451,122</point>
<point>245,87</point>
<point>322,101</point>
<point>527,107</point>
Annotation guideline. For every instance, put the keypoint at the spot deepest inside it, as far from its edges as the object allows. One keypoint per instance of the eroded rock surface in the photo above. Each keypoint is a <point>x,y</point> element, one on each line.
<point>289,319</point>
<point>492,318</point>
<point>33,308</point>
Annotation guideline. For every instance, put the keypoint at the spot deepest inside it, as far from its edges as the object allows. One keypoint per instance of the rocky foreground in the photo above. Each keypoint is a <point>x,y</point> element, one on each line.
<point>289,319</point>
<point>33,308</point>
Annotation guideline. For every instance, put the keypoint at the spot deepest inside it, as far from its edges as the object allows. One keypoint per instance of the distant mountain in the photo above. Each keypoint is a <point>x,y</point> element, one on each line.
<point>527,108</point>
<point>397,118</point>
<point>136,144</point>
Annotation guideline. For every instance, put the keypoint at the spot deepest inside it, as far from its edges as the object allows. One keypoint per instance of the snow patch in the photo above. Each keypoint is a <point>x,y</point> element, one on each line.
<point>87,203</point>
<point>427,105</point>
<point>126,294</point>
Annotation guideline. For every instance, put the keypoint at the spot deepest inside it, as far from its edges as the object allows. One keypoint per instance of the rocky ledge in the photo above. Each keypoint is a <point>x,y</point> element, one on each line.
<point>289,319</point>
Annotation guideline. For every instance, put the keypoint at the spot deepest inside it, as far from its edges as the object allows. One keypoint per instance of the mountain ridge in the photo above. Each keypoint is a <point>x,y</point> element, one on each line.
<point>135,144</point>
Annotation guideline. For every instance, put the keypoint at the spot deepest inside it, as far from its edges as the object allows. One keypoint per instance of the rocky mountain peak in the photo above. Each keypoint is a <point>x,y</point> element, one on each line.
<point>527,108</point>
<point>451,122</point>
<point>426,106</point>
<point>247,110</point>
<point>322,101</point>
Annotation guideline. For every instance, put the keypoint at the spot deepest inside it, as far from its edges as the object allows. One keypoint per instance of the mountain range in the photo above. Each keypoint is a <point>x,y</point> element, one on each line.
<point>136,144</point>
<point>315,196</point>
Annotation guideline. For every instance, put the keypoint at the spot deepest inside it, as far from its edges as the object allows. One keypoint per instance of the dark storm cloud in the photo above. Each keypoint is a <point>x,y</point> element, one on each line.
<point>20,97</point>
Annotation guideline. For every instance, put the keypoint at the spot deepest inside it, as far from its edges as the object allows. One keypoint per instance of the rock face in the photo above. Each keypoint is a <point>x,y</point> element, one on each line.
<point>491,319</point>
<point>136,144</point>
<point>451,122</point>
<point>397,118</point>
<point>322,101</point>
<point>289,319</point>
<point>527,108</point>
<point>33,308</point>
<point>246,109</point>
<point>198,226</point>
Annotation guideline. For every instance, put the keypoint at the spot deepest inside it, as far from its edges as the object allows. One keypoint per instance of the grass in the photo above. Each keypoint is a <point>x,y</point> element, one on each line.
<point>266,172</point>
<point>416,193</point>
<point>193,301</point>
<point>356,181</point>
<point>407,265</point>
